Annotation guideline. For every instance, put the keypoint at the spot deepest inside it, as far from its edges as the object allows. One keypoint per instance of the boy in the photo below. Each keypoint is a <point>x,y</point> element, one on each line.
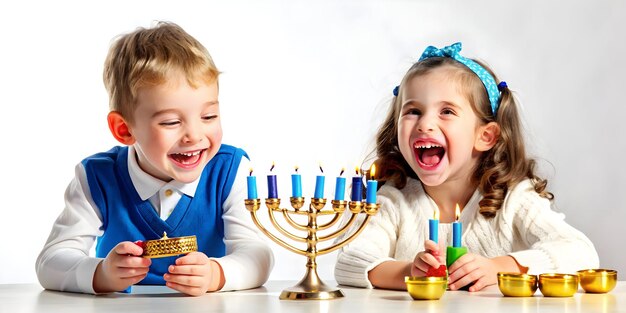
<point>172,175</point>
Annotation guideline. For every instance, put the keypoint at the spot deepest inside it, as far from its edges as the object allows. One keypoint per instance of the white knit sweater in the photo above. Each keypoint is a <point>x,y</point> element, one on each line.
<point>526,228</point>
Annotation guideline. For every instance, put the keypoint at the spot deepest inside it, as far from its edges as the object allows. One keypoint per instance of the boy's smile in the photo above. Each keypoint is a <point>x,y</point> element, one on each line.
<point>177,129</point>
<point>187,159</point>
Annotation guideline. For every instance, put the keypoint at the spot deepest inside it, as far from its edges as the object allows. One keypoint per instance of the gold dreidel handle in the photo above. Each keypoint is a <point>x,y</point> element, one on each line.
<point>311,286</point>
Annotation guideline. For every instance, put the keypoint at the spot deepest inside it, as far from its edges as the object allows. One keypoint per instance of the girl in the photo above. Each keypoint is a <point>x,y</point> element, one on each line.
<point>452,136</point>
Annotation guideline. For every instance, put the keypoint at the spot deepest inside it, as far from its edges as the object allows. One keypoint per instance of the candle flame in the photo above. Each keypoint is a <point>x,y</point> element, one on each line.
<point>357,170</point>
<point>296,168</point>
<point>321,169</point>
<point>342,170</point>
<point>251,171</point>
<point>436,214</point>
<point>272,168</point>
<point>372,171</point>
<point>457,212</point>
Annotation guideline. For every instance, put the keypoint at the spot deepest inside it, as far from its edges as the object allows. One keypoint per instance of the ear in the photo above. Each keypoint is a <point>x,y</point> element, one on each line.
<point>119,128</point>
<point>488,136</point>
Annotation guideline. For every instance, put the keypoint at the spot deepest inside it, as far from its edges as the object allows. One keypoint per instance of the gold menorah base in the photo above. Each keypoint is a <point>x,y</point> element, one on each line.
<point>311,286</point>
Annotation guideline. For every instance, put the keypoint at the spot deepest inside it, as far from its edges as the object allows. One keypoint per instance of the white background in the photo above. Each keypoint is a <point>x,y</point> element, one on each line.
<point>306,83</point>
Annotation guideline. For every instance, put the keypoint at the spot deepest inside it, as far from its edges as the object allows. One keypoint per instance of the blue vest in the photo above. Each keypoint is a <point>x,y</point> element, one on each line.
<point>125,217</point>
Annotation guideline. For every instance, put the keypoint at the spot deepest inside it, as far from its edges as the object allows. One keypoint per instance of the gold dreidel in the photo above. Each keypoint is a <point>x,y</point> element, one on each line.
<point>166,246</point>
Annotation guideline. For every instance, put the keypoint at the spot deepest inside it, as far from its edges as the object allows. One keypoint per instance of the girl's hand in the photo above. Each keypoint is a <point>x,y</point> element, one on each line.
<point>122,267</point>
<point>473,268</point>
<point>194,274</point>
<point>424,260</point>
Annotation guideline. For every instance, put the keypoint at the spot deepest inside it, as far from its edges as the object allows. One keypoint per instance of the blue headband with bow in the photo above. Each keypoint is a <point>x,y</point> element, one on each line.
<point>452,51</point>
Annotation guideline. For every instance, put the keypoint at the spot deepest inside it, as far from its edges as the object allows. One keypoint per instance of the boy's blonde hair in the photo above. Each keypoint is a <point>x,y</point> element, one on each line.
<point>148,57</point>
<point>499,169</point>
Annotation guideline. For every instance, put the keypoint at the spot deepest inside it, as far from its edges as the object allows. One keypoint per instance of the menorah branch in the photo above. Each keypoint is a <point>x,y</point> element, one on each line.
<point>341,230</point>
<point>347,240</point>
<point>291,222</point>
<point>311,286</point>
<point>283,230</point>
<point>339,207</point>
<point>253,205</point>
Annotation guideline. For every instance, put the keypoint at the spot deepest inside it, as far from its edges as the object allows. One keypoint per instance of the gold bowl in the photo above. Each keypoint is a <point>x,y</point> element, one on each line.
<point>426,288</point>
<point>517,284</point>
<point>597,280</point>
<point>558,285</point>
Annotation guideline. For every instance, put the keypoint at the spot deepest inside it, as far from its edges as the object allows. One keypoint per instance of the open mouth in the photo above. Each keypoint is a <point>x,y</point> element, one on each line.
<point>187,159</point>
<point>429,154</point>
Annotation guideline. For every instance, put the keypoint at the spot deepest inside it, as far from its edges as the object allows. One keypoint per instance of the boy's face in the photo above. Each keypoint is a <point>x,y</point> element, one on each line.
<point>177,129</point>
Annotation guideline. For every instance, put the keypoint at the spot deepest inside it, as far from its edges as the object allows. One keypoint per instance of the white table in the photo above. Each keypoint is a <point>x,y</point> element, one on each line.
<point>16,298</point>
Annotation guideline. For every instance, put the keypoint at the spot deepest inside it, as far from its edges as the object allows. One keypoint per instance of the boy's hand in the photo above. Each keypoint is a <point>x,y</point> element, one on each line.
<point>474,268</point>
<point>123,267</point>
<point>195,274</point>
<point>424,260</point>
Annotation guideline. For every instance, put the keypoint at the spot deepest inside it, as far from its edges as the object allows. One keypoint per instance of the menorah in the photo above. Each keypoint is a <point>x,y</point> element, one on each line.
<point>311,286</point>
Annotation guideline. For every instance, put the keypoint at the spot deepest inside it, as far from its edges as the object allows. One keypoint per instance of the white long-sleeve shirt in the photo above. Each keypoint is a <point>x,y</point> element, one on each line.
<point>526,228</point>
<point>64,263</point>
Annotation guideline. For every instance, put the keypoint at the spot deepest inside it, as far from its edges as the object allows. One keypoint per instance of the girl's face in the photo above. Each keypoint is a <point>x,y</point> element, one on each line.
<point>437,129</point>
<point>177,129</point>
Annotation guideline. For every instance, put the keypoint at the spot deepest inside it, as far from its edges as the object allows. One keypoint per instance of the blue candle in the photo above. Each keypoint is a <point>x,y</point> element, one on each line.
<point>457,229</point>
<point>319,185</point>
<point>340,187</point>
<point>357,187</point>
<point>252,194</point>
<point>272,190</point>
<point>433,227</point>
<point>372,185</point>
<point>370,197</point>
<point>296,184</point>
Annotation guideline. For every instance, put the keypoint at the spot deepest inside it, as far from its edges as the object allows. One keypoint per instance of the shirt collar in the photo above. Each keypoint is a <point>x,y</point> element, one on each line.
<point>147,186</point>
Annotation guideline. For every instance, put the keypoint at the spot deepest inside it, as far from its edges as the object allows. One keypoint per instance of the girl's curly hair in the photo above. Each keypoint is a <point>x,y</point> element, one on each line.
<point>499,169</point>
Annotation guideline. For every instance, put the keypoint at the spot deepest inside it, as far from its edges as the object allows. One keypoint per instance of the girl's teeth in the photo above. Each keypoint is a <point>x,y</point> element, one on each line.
<point>426,146</point>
